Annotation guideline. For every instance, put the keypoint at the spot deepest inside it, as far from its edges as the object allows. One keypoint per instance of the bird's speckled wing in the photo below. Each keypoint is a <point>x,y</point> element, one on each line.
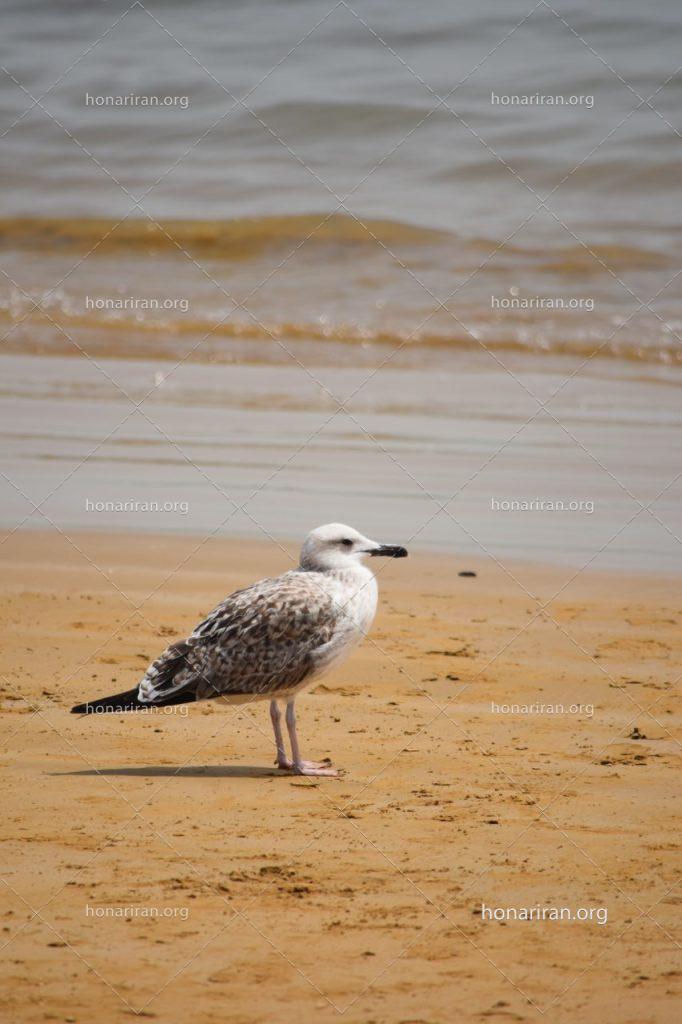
<point>257,641</point>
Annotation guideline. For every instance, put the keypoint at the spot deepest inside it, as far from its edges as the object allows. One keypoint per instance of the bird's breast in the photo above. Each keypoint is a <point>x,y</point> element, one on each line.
<point>357,598</point>
<point>354,594</point>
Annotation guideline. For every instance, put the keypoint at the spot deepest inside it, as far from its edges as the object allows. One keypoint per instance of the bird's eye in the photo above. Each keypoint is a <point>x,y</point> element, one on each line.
<point>347,543</point>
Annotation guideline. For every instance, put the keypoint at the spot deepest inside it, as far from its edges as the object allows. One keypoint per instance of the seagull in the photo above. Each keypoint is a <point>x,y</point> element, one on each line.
<point>271,640</point>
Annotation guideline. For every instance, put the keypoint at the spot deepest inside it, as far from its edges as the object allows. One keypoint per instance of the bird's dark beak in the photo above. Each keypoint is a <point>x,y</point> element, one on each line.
<point>389,551</point>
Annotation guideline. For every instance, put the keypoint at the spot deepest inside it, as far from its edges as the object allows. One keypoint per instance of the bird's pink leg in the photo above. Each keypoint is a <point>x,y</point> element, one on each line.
<point>276,719</point>
<point>299,766</point>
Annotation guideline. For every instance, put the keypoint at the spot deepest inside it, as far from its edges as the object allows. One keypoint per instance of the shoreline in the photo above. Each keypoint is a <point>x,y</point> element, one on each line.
<point>274,449</point>
<point>285,550</point>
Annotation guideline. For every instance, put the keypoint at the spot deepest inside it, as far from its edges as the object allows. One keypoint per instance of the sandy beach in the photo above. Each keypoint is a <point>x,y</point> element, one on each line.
<point>375,895</point>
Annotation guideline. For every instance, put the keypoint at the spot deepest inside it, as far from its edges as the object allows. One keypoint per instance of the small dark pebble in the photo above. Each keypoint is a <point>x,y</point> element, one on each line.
<point>466,572</point>
<point>637,735</point>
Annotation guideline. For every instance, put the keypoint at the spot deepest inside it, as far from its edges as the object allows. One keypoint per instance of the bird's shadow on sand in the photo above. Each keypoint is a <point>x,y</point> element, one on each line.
<point>227,771</point>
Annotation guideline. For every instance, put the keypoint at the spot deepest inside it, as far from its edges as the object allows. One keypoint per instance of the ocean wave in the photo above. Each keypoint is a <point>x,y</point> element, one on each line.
<point>128,336</point>
<point>237,239</point>
<point>250,237</point>
<point>362,284</point>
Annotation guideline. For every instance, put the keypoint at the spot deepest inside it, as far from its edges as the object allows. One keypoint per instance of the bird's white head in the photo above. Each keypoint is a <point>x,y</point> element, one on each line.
<point>336,546</point>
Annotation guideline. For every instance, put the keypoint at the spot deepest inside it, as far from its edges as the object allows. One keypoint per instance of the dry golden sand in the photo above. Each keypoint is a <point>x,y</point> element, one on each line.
<point>297,900</point>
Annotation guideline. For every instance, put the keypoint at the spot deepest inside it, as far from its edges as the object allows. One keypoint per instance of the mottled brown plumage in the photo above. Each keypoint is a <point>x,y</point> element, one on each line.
<point>259,642</point>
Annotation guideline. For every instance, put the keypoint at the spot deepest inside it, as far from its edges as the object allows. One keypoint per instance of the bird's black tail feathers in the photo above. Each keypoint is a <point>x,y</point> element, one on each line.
<point>126,701</point>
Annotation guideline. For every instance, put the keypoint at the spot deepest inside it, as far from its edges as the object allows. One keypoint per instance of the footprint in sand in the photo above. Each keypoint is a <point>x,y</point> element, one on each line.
<point>634,648</point>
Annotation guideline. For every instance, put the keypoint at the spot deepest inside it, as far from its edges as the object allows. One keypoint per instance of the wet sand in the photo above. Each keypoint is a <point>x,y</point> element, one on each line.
<point>434,453</point>
<point>294,900</point>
